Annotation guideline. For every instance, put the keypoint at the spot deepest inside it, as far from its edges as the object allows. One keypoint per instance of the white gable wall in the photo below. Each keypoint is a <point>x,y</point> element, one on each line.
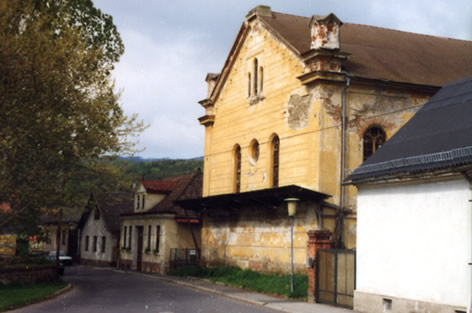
<point>151,199</point>
<point>413,242</point>
<point>97,228</point>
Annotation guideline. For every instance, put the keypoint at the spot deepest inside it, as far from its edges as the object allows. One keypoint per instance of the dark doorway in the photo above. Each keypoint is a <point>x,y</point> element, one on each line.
<point>72,244</point>
<point>140,248</point>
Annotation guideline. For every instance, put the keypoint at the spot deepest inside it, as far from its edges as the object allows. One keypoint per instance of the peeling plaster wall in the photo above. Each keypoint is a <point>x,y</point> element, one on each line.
<point>307,120</point>
<point>284,107</point>
<point>257,238</point>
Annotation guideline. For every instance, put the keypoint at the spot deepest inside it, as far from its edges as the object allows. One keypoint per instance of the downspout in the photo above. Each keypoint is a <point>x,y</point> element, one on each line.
<point>469,244</point>
<point>343,156</point>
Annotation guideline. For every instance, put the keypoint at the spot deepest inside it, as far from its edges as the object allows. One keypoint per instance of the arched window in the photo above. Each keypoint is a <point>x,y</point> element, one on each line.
<point>373,139</point>
<point>256,67</point>
<point>261,78</point>
<point>275,149</point>
<point>249,86</point>
<point>237,169</point>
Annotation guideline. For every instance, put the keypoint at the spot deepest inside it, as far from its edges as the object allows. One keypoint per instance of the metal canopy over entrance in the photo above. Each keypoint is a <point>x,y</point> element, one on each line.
<point>270,198</point>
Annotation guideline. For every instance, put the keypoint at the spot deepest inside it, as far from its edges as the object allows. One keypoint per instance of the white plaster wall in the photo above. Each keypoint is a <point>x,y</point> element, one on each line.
<point>97,228</point>
<point>413,241</point>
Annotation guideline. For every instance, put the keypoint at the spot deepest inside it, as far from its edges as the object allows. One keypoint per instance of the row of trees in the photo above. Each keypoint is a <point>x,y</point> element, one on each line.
<point>60,118</point>
<point>161,169</point>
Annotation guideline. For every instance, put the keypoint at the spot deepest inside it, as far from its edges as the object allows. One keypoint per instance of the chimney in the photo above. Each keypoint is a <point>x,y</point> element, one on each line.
<point>325,31</point>
<point>260,10</point>
<point>211,79</point>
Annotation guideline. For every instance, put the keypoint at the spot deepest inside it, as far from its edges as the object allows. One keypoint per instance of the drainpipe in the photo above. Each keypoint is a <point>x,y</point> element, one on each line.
<point>469,302</point>
<point>343,155</point>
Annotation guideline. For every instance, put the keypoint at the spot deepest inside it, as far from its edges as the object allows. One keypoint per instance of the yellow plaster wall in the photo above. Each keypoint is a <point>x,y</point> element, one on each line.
<point>172,235</point>
<point>257,238</point>
<point>307,120</point>
<point>239,122</point>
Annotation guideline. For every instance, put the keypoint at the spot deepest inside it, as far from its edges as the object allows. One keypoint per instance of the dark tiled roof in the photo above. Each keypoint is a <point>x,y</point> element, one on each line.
<point>385,54</point>
<point>112,205</point>
<point>70,216</point>
<point>187,186</point>
<point>438,136</point>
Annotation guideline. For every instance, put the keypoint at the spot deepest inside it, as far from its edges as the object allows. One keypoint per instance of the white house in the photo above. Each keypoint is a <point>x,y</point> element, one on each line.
<point>100,228</point>
<point>414,237</point>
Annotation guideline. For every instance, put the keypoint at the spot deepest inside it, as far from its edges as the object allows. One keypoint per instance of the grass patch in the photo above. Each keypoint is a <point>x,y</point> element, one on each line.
<point>12,296</point>
<point>234,276</point>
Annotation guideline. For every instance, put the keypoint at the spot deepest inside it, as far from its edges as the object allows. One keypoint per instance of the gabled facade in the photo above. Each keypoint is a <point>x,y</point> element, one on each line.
<point>156,224</point>
<point>100,228</point>
<point>414,212</point>
<point>301,101</point>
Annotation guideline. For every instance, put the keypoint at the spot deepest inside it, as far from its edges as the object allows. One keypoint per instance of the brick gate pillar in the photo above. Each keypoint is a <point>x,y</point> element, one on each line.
<point>317,239</point>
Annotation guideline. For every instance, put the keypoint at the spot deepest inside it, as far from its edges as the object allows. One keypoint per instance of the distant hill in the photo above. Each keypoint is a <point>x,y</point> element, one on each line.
<point>158,169</point>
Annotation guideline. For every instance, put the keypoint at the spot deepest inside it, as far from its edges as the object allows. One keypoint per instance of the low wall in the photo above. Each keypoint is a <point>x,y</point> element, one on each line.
<point>28,274</point>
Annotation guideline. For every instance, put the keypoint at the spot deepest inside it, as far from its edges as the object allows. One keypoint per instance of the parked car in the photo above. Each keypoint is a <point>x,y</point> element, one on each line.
<point>63,258</point>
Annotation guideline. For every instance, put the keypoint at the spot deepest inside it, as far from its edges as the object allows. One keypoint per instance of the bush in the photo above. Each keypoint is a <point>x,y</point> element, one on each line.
<point>24,260</point>
<point>234,276</point>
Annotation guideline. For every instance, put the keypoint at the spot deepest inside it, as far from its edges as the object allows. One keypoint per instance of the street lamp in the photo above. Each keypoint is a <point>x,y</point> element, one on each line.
<point>292,210</point>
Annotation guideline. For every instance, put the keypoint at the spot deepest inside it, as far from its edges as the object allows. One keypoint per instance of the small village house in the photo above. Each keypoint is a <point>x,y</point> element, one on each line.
<point>100,228</point>
<point>69,237</point>
<point>156,227</point>
<point>414,242</point>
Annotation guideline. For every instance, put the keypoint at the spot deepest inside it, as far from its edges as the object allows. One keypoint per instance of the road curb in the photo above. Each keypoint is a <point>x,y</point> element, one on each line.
<point>56,294</point>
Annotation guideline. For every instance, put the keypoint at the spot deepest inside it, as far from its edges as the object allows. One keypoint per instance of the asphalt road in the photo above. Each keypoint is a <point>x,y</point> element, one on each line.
<point>107,290</point>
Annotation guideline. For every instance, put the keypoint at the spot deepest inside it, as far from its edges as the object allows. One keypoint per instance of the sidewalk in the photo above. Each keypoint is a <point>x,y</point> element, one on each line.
<point>280,304</point>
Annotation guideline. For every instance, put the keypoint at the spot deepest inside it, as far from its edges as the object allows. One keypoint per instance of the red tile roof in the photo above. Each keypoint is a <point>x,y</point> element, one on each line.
<point>160,186</point>
<point>177,188</point>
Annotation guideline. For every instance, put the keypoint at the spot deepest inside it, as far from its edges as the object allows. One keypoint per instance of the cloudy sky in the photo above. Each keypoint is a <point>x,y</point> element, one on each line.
<point>171,45</point>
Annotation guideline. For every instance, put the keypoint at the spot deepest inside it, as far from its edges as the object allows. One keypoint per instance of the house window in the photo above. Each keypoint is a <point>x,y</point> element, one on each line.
<point>237,168</point>
<point>124,236</point>
<point>129,237</point>
<point>373,139</point>
<point>149,239</point>
<point>95,244</point>
<point>275,148</point>
<point>97,214</point>
<point>158,237</point>
<point>63,239</point>
<point>86,243</point>
<point>256,67</point>
<point>143,201</point>
<point>104,243</point>
<point>138,199</point>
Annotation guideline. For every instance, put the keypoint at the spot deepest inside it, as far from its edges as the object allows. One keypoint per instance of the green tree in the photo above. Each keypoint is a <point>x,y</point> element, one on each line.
<point>60,118</point>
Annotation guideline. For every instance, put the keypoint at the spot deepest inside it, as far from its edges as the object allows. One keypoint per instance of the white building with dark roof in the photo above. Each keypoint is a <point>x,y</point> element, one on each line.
<point>414,233</point>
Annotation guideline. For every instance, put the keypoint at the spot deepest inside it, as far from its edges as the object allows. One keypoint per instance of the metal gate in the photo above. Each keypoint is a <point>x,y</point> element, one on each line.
<point>335,277</point>
<point>184,257</point>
